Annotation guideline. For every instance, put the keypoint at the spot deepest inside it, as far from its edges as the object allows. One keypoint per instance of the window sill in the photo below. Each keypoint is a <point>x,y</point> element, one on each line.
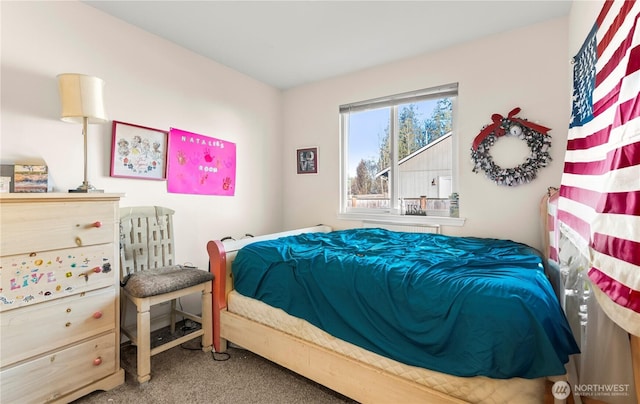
<point>405,220</point>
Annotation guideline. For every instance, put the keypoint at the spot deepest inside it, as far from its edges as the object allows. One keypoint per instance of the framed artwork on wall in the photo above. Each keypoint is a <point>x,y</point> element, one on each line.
<point>138,151</point>
<point>307,160</point>
<point>201,165</point>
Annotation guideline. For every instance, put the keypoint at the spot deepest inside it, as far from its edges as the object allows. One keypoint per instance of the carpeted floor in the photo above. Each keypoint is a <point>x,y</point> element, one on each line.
<point>188,375</point>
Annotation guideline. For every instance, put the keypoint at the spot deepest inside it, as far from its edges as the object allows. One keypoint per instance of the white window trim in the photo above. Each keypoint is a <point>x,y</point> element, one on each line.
<point>392,216</point>
<point>405,220</point>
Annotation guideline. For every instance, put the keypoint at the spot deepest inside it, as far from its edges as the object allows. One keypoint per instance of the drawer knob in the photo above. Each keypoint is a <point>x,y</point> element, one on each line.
<point>68,324</point>
<point>78,241</point>
<point>69,310</point>
<point>97,224</point>
<point>97,315</point>
<point>97,361</point>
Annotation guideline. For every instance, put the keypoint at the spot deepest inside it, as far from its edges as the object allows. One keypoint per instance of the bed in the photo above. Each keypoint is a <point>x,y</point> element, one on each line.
<point>494,334</point>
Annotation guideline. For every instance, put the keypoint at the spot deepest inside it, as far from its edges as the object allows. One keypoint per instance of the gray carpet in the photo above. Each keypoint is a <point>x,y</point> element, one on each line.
<point>185,374</point>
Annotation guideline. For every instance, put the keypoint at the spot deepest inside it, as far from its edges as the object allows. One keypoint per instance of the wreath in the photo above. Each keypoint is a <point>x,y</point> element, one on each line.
<point>535,135</point>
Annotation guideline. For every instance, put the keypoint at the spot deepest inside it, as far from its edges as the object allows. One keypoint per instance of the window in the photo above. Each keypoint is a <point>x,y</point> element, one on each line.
<point>398,154</point>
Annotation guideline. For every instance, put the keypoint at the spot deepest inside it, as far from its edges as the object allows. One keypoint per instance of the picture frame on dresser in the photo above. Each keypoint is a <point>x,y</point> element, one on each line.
<point>138,151</point>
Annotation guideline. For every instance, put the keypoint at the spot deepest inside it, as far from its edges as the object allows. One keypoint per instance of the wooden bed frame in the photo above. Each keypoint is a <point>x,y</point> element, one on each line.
<point>357,380</point>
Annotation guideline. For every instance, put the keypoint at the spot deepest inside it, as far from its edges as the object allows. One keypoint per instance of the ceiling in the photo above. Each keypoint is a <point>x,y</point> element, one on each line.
<point>290,43</point>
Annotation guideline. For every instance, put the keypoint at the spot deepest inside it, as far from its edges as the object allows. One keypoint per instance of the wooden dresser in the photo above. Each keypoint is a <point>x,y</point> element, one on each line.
<point>59,296</point>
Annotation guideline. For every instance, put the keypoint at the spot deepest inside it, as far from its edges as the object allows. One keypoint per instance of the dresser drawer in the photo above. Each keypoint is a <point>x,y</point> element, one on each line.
<point>42,226</point>
<point>52,376</point>
<point>28,279</point>
<point>39,328</point>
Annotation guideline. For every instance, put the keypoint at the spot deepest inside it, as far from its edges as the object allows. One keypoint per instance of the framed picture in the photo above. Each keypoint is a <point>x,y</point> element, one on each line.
<point>30,178</point>
<point>200,164</point>
<point>307,160</point>
<point>138,152</point>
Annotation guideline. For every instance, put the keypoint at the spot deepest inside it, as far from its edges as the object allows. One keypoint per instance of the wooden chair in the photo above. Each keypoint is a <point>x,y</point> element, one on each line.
<point>150,277</point>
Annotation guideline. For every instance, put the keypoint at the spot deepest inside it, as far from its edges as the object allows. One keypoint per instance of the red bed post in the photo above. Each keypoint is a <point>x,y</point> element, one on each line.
<point>218,266</point>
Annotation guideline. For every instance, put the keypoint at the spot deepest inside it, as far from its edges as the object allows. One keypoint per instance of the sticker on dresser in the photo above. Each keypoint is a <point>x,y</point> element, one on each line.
<point>37,277</point>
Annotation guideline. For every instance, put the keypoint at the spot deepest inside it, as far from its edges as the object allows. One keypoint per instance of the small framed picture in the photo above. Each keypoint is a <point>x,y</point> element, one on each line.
<point>138,152</point>
<point>307,160</point>
<point>30,178</point>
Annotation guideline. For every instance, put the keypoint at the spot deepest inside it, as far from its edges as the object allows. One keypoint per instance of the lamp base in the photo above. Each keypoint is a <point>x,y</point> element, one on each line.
<point>86,188</point>
<point>86,191</point>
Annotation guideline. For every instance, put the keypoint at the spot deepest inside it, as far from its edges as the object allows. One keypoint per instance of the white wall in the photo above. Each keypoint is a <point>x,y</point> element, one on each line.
<point>582,17</point>
<point>526,68</point>
<point>154,83</point>
<point>150,82</point>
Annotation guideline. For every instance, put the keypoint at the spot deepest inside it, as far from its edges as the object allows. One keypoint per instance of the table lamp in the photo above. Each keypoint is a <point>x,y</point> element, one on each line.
<point>82,101</point>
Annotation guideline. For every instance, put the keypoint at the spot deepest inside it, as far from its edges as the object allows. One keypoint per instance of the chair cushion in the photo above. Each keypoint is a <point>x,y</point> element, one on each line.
<point>157,281</point>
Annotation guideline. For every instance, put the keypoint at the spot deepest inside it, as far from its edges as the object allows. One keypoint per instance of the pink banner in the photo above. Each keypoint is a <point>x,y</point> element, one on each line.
<point>198,164</point>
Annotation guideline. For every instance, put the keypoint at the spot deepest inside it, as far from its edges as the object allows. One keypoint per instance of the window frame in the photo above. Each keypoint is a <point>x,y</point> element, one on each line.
<point>393,215</point>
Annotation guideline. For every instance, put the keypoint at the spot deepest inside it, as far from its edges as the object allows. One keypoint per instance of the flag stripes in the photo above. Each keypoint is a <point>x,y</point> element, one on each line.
<point>599,197</point>
<point>625,156</point>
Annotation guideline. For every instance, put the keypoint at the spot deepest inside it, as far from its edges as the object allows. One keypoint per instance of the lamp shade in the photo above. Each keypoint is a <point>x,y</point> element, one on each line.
<point>81,97</point>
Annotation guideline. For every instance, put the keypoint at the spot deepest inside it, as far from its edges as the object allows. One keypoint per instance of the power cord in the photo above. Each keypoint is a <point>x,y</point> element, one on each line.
<point>190,325</point>
<point>246,235</point>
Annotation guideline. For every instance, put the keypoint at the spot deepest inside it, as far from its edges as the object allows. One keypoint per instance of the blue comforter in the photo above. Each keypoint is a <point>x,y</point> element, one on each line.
<point>459,305</point>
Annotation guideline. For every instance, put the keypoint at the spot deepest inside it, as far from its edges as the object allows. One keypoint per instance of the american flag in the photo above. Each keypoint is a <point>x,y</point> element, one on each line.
<point>599,202</point>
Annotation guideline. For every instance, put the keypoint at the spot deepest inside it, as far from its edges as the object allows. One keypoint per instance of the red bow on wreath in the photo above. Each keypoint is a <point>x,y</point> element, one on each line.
<point>498,130</point>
